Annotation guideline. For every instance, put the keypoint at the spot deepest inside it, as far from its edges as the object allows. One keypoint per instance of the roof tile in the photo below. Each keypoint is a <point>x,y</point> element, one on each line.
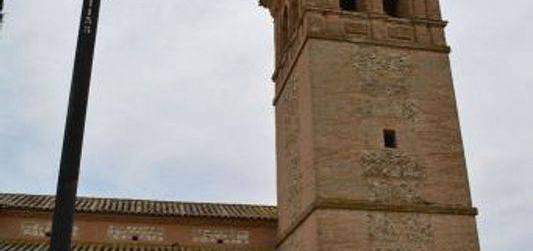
<point>34,246</point>
<point>142,207</point>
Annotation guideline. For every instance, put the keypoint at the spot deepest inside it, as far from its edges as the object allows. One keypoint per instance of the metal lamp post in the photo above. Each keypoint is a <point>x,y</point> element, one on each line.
<point>73,138</point>
<point>1,11</point>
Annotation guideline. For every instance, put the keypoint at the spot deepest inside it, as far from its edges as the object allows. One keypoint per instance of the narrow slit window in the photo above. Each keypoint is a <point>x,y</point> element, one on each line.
<point>392,7</point>
<point>389,137</point>
<point>349,5</point>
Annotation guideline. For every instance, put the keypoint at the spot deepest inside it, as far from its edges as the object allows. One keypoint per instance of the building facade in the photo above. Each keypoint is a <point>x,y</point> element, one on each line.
<point>369,149</point>
<point>129,225</point>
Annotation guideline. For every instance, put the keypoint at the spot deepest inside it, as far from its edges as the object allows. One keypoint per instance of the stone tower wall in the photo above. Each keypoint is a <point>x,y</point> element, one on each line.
<point>360,90</point>
<point>342,79</point>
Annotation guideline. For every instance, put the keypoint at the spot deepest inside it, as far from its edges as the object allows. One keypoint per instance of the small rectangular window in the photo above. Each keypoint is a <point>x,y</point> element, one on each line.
<point>389,137</point>
<point>349,5</point>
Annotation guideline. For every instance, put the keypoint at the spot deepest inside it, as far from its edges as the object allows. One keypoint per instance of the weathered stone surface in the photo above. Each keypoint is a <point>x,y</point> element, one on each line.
<point>377,66</point>
<point>221,236</point>
<point>42,229</point>
<point>391,231</point>
<point>292,126</point>
<point>401,109</point>
<point>393,177</point>
<point>135,232</point>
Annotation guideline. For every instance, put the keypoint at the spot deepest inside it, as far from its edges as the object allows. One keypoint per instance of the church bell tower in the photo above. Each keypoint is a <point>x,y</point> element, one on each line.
<point>369,148</point>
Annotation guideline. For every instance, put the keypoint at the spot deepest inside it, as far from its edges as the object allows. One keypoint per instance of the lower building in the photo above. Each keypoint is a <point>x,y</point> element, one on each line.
<point>123,224</point>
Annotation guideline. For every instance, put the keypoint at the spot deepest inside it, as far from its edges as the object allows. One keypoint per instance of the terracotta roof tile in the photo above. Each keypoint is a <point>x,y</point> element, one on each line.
<point>141,207</point>
<point>35,246</point>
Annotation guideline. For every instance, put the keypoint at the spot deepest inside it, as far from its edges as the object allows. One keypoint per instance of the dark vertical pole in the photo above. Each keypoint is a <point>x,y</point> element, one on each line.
<point>1,11</point>
<point>72,142</point>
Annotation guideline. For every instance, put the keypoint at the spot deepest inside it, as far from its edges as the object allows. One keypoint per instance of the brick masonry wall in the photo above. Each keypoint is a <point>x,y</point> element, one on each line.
<point>380,231</point>
<point>115,229</point>
<point>360,90</point>
<point>294,146</point>
<point>350,93</point>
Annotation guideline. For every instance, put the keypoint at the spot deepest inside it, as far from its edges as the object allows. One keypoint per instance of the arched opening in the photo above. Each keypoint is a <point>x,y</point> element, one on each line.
<point>349,5</point>
<point>392,8</point>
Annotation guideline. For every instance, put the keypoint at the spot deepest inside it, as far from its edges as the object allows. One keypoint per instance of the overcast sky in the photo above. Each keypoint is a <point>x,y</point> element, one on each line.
<point>180,105</point>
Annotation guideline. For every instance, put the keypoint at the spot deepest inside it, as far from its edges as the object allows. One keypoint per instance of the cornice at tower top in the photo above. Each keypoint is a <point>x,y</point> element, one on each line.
<point>415,26</point>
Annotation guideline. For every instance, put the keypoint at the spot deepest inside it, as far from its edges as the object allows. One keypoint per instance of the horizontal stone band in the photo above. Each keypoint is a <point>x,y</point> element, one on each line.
<point>341,204</point>
<point>371,206</point>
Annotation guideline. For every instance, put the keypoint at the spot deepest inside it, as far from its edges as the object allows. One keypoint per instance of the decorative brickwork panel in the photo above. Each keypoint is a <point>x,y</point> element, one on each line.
<point>393,176</point>
<point>400,232</point>
<point>382,67</point>
<point>391,164</point>
<point>390,90</point>
<point>384,76</point>
<point>136,233</point>
<point>218,236</point>
<point>356,28</point>
<point>401,32</point>
<point>403,109</point>
<point>41,230</point>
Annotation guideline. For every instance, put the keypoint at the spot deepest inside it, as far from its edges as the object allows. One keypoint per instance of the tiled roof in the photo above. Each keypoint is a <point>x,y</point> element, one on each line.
<point>141,207</point>
<point>34,246</point>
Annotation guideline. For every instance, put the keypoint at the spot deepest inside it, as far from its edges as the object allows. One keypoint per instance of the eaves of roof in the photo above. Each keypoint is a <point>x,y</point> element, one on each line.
<point>142,207</point>
<point>39,246</point>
